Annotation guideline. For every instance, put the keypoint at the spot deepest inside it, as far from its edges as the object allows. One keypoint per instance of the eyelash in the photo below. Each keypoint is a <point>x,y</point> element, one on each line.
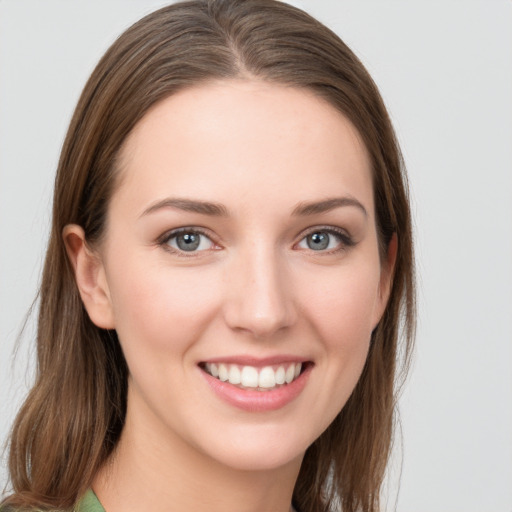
<point>346,241</point>
<point>167,237</point>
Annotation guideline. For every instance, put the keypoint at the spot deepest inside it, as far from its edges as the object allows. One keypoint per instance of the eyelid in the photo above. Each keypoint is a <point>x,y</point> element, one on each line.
<point>163,240</point>
<point>346,238</point>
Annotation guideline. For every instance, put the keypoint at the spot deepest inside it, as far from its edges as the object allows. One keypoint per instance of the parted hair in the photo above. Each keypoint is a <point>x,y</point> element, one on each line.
<point>73,416</point>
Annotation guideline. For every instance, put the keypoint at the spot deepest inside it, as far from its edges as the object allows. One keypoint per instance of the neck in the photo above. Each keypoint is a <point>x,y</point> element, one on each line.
<point>161,473</point>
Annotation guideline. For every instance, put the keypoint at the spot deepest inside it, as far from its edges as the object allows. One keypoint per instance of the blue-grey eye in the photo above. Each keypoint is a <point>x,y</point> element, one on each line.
<point>320,241</point>
<point>190,241</point>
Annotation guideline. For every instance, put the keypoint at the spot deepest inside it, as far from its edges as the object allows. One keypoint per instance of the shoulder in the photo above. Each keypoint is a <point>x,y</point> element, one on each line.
<point>88,503</point>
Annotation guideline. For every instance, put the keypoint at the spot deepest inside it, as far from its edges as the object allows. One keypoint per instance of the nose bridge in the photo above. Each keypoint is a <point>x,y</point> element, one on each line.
<point>259,298</point>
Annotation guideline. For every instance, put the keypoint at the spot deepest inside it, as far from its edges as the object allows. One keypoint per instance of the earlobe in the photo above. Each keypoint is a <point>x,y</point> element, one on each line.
<point>90,277</point>
<point>386,277</point>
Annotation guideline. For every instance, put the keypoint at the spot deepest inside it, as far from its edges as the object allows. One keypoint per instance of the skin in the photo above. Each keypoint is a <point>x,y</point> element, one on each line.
<point>254,288</point>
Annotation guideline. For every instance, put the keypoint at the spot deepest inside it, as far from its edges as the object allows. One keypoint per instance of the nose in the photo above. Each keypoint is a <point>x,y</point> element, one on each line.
<point>259,295</point>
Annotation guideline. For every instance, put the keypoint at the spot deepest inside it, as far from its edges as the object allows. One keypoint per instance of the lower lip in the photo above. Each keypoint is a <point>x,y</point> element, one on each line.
<point>258,401</point>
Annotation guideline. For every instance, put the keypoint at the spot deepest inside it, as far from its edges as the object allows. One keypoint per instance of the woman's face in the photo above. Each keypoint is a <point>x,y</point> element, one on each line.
<point>241,245</point>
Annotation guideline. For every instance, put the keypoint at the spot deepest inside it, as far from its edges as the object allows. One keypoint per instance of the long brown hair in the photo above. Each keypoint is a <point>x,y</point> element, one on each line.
<point>73,416</point>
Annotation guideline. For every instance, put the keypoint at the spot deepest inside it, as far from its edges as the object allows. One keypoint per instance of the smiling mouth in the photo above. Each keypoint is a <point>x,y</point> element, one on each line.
<point>266,378</point>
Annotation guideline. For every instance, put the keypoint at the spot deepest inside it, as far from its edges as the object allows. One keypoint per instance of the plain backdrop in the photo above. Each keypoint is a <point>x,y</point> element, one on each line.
<point>445,71</point>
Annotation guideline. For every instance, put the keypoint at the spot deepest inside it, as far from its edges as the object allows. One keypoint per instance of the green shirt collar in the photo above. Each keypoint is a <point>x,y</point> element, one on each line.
<point>89,503</point>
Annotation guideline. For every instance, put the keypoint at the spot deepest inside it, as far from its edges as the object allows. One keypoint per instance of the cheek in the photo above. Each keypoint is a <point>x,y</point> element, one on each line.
<point>339,309</point>
<point>159,307</point>
<point>342,306</point>
<point>342,313</point>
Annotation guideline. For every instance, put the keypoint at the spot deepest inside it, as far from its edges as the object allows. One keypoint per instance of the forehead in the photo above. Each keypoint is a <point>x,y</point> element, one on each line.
<point>265,142</point>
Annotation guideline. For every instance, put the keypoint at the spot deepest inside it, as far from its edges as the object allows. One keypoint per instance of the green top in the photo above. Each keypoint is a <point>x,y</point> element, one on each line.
<point>89,503</point>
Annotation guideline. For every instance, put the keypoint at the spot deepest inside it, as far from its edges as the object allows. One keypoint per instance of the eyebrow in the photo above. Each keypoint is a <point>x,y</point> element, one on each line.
<point>189,205</point>
<point>316,207</point>
<point>219,210</point>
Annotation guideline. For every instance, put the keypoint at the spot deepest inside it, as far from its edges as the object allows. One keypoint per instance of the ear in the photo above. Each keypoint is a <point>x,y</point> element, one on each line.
<point>386,278</point>
<point>90,277</point>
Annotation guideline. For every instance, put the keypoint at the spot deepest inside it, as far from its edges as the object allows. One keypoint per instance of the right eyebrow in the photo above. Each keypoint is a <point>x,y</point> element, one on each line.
<point>316,207</point>
<point>188,205</point>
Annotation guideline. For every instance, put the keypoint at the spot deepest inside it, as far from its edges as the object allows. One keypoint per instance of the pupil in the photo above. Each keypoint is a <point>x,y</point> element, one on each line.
<point>188,241</point>
<point>318,241</point>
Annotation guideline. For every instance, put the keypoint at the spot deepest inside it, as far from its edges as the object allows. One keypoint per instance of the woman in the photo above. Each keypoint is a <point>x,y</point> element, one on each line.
<point>229,263</point>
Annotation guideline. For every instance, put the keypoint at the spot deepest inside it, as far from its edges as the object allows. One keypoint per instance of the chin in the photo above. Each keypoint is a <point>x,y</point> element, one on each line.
<point>259,451</point>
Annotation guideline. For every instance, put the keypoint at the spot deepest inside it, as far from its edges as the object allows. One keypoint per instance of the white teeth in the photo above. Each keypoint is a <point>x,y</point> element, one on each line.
<point>267,377</point>
<point>290,373</point>
<point>223,372</point>
<point>234,375</point>
<point>280,375</point>
<point>249,377</point>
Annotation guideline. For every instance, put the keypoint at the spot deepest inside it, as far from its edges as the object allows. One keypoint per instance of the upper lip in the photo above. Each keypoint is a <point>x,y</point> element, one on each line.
<point>246,360</point>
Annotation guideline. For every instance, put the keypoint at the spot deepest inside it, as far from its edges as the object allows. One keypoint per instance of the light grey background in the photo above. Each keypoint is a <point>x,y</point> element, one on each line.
<point>445,71</point>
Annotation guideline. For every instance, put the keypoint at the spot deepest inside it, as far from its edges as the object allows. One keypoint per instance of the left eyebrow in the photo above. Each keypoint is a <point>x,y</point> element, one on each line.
<point>189,205</point>
<point>313,208</point>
